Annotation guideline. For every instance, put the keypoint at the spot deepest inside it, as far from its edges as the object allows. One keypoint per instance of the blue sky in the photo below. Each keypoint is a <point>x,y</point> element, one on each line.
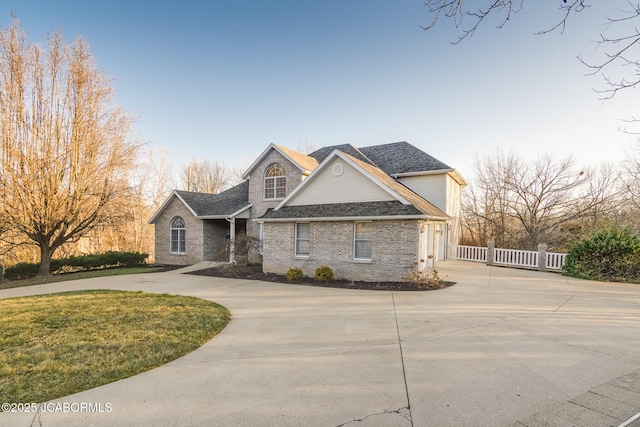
<point>222,79</point>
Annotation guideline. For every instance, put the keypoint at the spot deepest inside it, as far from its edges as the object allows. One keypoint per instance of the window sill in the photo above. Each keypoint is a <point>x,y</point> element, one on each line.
<point>301,256</point>
<point>361,261</point>
<point>177,253</point>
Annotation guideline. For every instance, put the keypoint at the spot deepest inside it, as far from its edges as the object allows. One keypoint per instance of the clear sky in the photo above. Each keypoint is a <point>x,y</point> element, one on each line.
<point>221,79</point>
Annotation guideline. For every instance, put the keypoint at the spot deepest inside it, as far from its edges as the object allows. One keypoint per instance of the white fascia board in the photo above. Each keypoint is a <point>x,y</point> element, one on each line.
<point>161,208</point>
<point>451,172</point>
<point>352,218</point>
<point>324,164</point>
<point>264,154</point>
<point>186,204</point>
<point>233,215</point>
<point>257,161</point>
<point>239,211</point>
<point>166,202</point>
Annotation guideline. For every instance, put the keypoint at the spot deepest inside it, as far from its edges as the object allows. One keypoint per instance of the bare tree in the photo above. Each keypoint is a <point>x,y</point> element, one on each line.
<point>617,44</point>
<point>486,203</point>
<point>205,176</point>
<point>522,203</point>
<point>456,10</point>
<point>65,149</point>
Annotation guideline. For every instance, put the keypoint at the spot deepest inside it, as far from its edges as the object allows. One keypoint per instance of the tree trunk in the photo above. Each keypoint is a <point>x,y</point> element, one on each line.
<point>45,261</point>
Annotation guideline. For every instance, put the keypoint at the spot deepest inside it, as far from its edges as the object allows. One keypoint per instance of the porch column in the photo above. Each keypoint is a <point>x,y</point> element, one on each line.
<point>232,239</point>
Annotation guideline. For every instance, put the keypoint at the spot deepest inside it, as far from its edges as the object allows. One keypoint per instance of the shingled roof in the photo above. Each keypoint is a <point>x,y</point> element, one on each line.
<point>324,152</point>
<point>402,157</point>
<point>407,203</point>
<point>383,162</point>
<point>390,208</point>
<point>394,158</point>
<point>221,204</point>
<point>206,205</point>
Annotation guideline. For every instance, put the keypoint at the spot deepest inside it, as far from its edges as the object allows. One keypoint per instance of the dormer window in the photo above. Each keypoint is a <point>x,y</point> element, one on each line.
<point>275,182</point>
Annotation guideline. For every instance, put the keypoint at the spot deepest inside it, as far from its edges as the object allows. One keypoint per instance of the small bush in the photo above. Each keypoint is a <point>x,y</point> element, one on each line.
<point>610,254</point>
<point>294,274</point>
<point>426,279</point>
<point>324,274</point>
<point>23,270</point>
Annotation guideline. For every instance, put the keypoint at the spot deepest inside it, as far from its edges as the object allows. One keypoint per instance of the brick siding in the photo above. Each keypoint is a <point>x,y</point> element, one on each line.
<point>193,234</point>
<point>256,194</point>
<point>394,249</point>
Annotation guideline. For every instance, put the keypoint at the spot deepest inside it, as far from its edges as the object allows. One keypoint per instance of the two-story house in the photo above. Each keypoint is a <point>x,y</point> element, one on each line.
<point>371,213</point>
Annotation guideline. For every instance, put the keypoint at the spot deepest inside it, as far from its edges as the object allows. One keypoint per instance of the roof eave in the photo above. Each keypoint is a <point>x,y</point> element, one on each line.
<point>353,218</point>
<point>451,172</point>
<point>260,158</point>
<point>225,216</point>
<point>166,203</point>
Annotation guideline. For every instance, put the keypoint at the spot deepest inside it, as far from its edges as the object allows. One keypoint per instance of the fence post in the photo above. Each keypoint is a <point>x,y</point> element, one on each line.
<point>491,246</point>
<point>542,256</point>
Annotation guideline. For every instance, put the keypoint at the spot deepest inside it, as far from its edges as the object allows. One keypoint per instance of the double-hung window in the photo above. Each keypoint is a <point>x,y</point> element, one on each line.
<point>178,239</point>
<point>275,182</point>
<point>303,238</point>
<point>363,235</point>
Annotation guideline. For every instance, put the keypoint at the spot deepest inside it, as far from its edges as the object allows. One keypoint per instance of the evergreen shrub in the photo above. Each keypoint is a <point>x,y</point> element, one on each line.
<point>324,274</point>
<point>294,274</point>
<point>609,254</point>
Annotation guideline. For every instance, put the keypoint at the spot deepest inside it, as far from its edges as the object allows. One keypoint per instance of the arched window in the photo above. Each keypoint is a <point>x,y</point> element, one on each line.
<point>178,241</point>
<point>275,182</point>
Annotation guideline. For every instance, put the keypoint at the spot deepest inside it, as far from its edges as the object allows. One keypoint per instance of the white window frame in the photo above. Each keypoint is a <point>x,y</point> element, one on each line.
<point>179,226</point>
<point>275,180</point>
<point>356,240</point>
<point>298,239</point>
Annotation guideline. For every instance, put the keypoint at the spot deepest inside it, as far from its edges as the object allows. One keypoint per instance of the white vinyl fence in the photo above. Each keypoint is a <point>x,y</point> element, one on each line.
<point>468,253</point>
<point>540,259</point>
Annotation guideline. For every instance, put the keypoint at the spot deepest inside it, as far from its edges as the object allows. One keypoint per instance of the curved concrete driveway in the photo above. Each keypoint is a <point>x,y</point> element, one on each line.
<point>502,347</point>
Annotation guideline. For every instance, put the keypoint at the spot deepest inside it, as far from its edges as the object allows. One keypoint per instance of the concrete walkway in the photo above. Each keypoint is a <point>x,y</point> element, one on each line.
<point>503,347</point>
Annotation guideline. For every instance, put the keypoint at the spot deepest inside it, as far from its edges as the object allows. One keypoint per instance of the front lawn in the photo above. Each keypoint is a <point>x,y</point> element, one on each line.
<point>58,344</point>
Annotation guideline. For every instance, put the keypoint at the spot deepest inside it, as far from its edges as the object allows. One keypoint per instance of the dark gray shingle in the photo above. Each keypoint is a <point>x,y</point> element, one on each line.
<point>401,157</point>
<point>223,204</point>
<point>337,210</point>
<point>394,158</point>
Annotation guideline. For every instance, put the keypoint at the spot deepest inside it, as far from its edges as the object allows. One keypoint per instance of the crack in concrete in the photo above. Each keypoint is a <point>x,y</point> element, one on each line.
<point>37,416</point>
<point>404,371</point>
<point>404,412</point>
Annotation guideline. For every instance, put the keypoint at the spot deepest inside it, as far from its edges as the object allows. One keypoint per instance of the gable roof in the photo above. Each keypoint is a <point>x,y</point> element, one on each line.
<point>303,162</point>
<point>324,152</point>
<point>395,159</point>
<point>407,202</point>
<point>398,188</point>
<point>227,204</point>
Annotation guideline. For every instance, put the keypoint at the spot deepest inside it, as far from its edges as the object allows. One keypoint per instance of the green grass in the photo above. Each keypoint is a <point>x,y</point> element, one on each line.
<point>80,275</point>
<point>58,344</point>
